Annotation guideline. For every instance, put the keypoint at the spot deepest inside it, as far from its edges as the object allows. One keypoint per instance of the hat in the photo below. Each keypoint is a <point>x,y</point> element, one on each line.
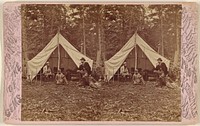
<point>82,59</point>
<point>159,59</point>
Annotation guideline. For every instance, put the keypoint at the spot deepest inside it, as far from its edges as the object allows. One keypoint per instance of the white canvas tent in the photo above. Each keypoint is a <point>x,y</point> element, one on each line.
<point>114,63</point>
<point>35,65</point>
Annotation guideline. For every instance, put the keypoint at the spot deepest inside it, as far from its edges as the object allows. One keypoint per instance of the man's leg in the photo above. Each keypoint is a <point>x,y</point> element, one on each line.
<point>66,82</point>
<point>46,78</point>
<point>126,78</point>
<point>123,78</point>
<point>105,78</point>
<point>82,82</point>
<point>57,82</point>
<point>51,77</point>
<point>86,80</point>
<point>142,80</point>
<point>134,82</point>
<point>163,83</point>
<point>159,81</point>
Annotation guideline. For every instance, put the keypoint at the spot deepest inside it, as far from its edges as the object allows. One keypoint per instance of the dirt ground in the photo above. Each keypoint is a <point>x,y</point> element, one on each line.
<point>115,101</point>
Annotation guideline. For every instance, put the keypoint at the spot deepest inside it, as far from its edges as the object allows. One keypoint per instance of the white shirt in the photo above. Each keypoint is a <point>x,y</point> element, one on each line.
<point>123,70</point>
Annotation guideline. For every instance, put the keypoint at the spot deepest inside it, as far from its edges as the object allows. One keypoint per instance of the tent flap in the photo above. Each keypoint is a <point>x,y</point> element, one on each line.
<point>35,65</point>
<point>114,63</point>
<point>73,52</point>
<point>151,54</point>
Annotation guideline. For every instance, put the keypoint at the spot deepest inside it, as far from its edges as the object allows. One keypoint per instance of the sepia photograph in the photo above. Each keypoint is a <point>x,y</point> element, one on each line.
<point>101,62</point>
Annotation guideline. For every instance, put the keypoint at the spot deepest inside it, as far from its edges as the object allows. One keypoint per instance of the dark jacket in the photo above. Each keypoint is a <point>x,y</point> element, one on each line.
<point>86,67</point>
<point>163,67</point>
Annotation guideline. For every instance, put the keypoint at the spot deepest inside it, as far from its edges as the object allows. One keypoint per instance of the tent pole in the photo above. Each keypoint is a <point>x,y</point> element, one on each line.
<point>58,49</point>
<point>135,51</point>
<point>113,75</point>
<point>40,77</point>
<point>36,77</point>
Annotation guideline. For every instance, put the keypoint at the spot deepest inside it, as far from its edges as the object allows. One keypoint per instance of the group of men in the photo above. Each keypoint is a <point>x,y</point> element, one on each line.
<point>160,70</point>
<point>85,73</point>
<point>136,77</point>
<point>84,70</point>
<point>60,77</point>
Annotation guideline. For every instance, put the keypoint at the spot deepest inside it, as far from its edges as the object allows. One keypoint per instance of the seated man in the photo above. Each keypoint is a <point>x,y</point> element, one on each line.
<point>137,78</point>
<point>161,70</point>
<point>85,71</point>
<point>124,71</point>
<point>60,78</point>
<point>47,71</point>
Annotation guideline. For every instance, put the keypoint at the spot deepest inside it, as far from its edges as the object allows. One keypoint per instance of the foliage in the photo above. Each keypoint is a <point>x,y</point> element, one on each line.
<point>105,27</point>
<point>175,74</point>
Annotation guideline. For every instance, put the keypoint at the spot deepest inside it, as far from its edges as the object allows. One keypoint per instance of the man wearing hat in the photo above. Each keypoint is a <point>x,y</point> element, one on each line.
<point>47,71</point>
<point>124,71</point>
<point>161,70</point>
<point>85,71</point>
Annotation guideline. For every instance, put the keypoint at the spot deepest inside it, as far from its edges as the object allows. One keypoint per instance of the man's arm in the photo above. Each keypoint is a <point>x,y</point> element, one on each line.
<point>44,69</point>
<point>87,68</point>
<point>126,70</point>
<point>121,69</point>
<point>56,77</point>
<point>164,68</point>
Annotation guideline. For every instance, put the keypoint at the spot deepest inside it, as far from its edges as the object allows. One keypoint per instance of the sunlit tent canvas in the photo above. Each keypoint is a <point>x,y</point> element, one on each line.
<point>114,63</point>
<point>66,63</point>
<point>58,41</point>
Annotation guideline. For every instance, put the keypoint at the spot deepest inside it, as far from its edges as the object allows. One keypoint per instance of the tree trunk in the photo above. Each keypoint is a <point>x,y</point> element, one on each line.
<point>103,37</point>
<point>130,24</point>
<point>52,17</point>
<point>103,46</point>
<point>177,52</point>
<point>161,31</point>
<point>84,44</point>
<point>98,61</point>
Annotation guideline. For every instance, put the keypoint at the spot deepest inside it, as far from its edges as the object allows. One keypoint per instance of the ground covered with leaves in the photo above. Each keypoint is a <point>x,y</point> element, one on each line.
<point>115,101</point>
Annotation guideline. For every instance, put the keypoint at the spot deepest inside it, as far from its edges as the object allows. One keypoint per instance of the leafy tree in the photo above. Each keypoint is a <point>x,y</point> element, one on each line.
<point>103,28</point>
<point>163,22</point>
